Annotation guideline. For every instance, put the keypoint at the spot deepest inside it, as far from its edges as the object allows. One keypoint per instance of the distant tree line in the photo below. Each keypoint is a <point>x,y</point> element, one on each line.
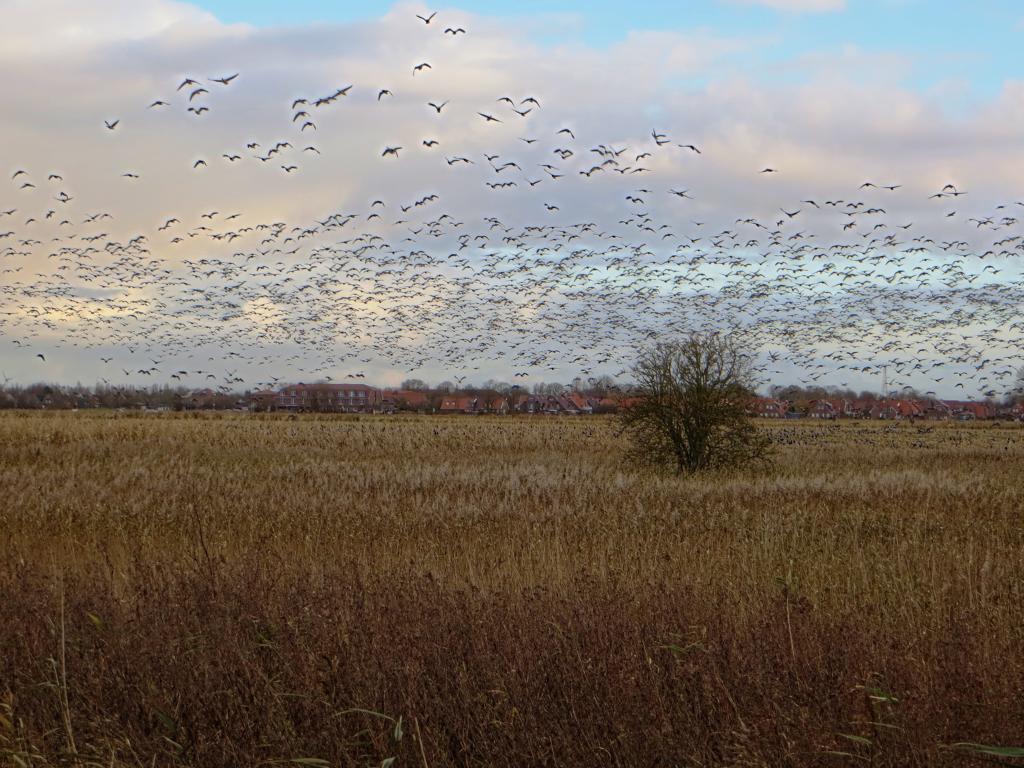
<point>802,398</point>
<point>58,397</point>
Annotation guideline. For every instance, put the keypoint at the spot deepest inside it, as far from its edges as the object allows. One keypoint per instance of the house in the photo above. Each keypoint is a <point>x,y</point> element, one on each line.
<point>579,403</point>
<point>823,409</point>
<point>329,398</point>
<point>897,409</point>
<point>936,410</point>
<point>861,408</point>
<point>498,405</point>
<point>523,403</point>
<point>963,410</point>
<point>604,404</point>
<point>200,400</point>
<point>768,408</point>
<point>262,401</point>
<point>458,404</point>
<point>834,408</point>
<point>405,400</point>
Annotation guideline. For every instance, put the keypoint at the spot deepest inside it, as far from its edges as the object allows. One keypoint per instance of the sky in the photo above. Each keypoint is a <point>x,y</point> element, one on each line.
<point>111,268</point>
<point>945,43</point>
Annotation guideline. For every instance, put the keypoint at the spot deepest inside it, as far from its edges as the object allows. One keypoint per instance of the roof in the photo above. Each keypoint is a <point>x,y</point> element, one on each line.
<point>457,403</point>
<point>331,387</point>
<point>408,396</point>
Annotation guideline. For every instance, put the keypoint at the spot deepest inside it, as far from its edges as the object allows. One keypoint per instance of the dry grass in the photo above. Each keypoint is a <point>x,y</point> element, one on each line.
<point>238,591</point>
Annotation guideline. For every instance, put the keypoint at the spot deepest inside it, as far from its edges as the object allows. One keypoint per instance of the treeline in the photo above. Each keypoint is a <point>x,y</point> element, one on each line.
<point>61,397</point>
<point>603,386</point>
<point>802,398</point>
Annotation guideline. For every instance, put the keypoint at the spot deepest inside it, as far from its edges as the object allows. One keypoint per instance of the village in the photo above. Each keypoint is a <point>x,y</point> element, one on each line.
<point>545,399</point>
<point>362,398</point>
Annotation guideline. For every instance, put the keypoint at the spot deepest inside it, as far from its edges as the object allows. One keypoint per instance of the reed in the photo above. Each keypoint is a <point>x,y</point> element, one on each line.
<point>225,590</point>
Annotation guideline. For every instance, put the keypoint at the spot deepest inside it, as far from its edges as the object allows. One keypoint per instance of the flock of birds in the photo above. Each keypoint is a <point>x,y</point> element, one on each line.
<point>408,283</point>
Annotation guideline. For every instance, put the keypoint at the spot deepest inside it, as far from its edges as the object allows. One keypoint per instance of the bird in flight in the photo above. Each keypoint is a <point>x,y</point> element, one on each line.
<point>382,93</point>
<point>437,107</point>
<point>390,151</point>
<point>111,124</point>
<point>420,67</point>
<point>454,31</point>
<point>224,80</point>
<point>489,118</point>
<point>427,19</point>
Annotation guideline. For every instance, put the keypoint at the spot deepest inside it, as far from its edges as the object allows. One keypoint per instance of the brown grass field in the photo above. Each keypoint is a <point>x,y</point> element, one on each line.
<point>233,590</point>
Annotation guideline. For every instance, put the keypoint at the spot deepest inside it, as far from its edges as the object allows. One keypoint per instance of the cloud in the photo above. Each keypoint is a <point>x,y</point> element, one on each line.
<point>827,132</point>
<point>60,27</point>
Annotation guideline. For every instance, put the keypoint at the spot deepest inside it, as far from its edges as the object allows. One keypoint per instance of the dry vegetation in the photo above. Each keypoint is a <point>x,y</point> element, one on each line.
<point>243,591</point>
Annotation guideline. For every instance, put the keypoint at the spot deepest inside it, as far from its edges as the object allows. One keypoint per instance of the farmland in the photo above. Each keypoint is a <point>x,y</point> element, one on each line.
<point>227,589</point>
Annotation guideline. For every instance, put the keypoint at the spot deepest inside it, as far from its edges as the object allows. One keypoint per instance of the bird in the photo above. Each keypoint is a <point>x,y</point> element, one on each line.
<point>489,118</point>
<point>453,31</point>
<point>437,107</point>
<point>426,19</point>
<point>111,125</point>
<point>382,93</point>
<point>224,80</point>
<point>420,67</point>
<point>390,151</point>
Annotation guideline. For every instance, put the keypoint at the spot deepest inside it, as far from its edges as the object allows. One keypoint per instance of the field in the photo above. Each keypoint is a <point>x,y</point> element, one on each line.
<point>231,590</point>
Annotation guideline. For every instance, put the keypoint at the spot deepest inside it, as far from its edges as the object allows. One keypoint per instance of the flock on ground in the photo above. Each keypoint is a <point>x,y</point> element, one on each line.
<point>409,283</point>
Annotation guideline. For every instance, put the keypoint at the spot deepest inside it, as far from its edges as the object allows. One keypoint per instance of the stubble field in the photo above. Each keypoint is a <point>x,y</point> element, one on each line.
<point>234,590</point>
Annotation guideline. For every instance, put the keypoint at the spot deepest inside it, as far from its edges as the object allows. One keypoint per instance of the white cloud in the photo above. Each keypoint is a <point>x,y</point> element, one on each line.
<point>59,27</point>
<point>827,133</point>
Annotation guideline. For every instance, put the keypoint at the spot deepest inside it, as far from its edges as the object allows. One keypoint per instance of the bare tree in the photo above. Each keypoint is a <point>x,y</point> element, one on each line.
<point>690,407</point>
<point>1016,394</point>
